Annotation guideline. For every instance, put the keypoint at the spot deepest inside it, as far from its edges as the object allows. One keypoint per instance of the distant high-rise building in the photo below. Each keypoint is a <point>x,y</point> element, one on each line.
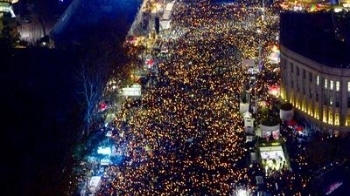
<point>315,68</point>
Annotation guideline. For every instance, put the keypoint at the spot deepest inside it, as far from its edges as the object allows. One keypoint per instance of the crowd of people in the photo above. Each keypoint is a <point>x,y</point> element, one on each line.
<point>185,135</point>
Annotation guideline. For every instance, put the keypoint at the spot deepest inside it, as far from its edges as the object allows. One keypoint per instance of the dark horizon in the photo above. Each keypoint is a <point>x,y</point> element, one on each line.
<point>40,117</point>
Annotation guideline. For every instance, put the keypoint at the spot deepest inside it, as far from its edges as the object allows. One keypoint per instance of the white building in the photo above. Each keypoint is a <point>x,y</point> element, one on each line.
<point>316,81</point>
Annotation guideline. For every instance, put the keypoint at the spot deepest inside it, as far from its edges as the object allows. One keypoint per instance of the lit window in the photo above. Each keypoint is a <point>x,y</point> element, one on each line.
<point>337,85</point>
<point>348,86</point>
<point>330,118</point>
<point>336,120</point>
<point>325,119</point>
<point>303,106</point>
<point>318,80</point>
<point>348,120</point>
<point>331,84</point>
<point>309,111</point>
<point>316,114</point>
<point>325,83</point>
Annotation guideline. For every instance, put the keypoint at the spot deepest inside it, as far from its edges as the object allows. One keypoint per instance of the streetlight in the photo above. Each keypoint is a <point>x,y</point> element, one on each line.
<point>259,56</point>
<point>263,10</point>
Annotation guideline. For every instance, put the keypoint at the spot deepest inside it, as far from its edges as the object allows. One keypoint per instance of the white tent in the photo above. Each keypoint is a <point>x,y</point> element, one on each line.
<point>248,120</point>
<point>94,184</point>
<point>247,114</point>
<point>166,15</point>
<point>243,107</point>
<point>134,91</point>
<point>168,10</point>
<point>169,6</point>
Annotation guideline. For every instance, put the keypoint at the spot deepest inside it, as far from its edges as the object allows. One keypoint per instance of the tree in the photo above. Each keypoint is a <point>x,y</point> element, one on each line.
<point>98,60</point>
<point>91,77</point>
<point>102,58</point>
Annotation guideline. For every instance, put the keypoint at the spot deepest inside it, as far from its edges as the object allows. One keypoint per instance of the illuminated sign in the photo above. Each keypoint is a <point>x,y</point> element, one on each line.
<point>135,90</point>
<point>104,150</point>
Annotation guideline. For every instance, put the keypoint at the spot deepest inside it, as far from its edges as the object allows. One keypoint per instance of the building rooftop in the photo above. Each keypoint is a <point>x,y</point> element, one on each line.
<point>323,37</point>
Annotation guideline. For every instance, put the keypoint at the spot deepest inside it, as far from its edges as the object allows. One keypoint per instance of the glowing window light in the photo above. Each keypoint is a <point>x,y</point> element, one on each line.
<point>330,118</point>
<point>309,110</point>
<point>337,85</point>
<point>347,123</point>
<point>324,116</point>
<point>336,120</point>
<point>331,85</point>
<point>316,114</point>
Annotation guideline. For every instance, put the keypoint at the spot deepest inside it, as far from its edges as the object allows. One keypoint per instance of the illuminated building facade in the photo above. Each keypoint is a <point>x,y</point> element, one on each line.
<point>320,92</point>
<point>315,72</point>
<point>344,2</point>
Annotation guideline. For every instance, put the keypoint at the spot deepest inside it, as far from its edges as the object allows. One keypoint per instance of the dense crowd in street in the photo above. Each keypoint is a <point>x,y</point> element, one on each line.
<point>185,135</point>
